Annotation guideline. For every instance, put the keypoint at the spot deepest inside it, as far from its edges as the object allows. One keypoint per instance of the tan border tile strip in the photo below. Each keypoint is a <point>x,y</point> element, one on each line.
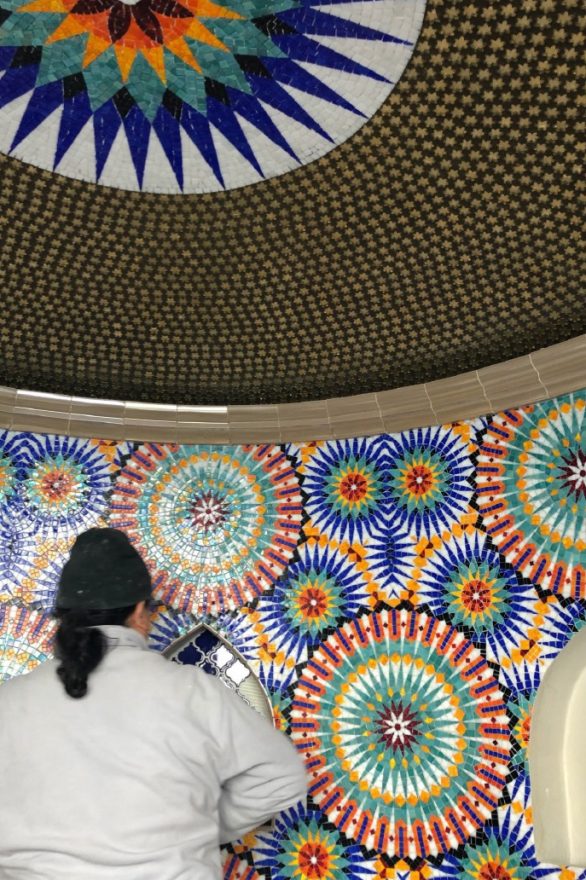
<point>546,373</point>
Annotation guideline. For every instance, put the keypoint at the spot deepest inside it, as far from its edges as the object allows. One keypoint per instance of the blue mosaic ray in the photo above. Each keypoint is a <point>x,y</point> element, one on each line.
<point>17,81</point>
<point>302,48</point>
<point>76,112</point>
<point>326,25</point>
<point>226,122</point>
<point>272,93</point>
<point>197,128</point>
<point>292,74</point>
<point>167,128</point>
<point>252,110</point>
<point>6,56</point>
<point>523,679</point>
<point>275,681</point>
<point>138,130</point>
<point>44,101</point>
<point>106,124</point>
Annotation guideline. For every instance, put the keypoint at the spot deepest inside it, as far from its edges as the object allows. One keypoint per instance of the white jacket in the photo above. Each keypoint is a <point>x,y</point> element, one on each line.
<point>140,779</point>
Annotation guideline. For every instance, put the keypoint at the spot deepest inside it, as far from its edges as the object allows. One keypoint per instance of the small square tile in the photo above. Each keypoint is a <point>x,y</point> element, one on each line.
<point>202,414</point>
<point>89,426</point>
<point>88,406</point>
<point>263,415</point>
<point>366,404</point>
<point>356,425</point>
<point>152,412</point>
<point>410,399</point>
<point>562,368</point>
<point>202,432</point>
<point>253,432</point>
<point>42,423</point>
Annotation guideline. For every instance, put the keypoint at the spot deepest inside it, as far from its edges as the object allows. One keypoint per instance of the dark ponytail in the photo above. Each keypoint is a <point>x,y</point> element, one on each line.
<point>80,646</point>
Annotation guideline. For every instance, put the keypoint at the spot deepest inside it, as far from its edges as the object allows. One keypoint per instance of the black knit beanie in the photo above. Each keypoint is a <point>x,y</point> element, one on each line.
<point>103,572</point>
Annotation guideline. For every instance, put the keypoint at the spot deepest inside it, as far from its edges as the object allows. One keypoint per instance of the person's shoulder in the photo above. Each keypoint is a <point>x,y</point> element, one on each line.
<point>201,695</point>
<point>28,681</point>
<point>178,674</point>
<point>191,677</point>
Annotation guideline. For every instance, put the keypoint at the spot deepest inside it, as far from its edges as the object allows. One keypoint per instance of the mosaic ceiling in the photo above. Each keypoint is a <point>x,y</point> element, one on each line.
<point>262,201</point>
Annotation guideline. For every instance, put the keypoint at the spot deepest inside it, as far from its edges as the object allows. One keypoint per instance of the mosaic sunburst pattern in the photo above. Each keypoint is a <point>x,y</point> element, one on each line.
<point>405,733</point>
<point>531,483</point>
<point>319,590</point>
<point>467,580</point>
<point>217,527</point>
<point>493,859</point>
<point>397,599</point>
<point>62,483</point>
<point>429,478</point>
<point>506,850</point>
<point>303,847</point>
<point>194,95</point>
<point>345,486</point>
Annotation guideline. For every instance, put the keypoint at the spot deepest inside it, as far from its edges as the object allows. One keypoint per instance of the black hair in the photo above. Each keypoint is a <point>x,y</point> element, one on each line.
<point>80,646</point>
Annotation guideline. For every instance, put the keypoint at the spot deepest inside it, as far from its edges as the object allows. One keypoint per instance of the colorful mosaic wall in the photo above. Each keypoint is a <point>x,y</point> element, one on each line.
<point>193,95</point>
<point>398,597</point>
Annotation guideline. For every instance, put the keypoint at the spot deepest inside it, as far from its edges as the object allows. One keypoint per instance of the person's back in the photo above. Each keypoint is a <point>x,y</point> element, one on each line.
<point>138,780</point>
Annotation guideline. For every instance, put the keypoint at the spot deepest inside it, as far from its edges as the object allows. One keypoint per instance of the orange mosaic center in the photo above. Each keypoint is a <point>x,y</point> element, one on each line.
<point>354,487</point>
<point>419,479</point>
<point>313,860</point>
<point>132,26</point>
<point>313,602</point>
<point>476,596</point>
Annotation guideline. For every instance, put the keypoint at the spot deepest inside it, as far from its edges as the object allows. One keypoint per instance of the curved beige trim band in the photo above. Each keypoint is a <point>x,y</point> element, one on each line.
<point>546,373</point>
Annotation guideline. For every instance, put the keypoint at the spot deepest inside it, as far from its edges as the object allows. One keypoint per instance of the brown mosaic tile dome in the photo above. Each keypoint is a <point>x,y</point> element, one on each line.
<point>442,237</point>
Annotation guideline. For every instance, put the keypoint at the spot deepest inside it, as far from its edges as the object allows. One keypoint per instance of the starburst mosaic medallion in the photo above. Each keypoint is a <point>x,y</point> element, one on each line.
<point>193,95</point>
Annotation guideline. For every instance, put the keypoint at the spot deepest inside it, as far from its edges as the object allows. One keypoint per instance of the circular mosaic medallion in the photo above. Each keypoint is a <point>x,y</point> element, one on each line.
<point>404,731</point>
<point>303,847</point>
<point>217,527</point>
<point>531,484</point>
<point>194,95</point>
<point>429,479</point>
<point>316,593</point>
<point>500,857</point>
<point>62,483</point>
<point>26,639</point>
<point>466,579</point>
<point>344,483</point>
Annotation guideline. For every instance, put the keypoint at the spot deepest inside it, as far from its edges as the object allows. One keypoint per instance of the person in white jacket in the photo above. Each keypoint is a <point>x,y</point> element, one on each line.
<point>116,764</point>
